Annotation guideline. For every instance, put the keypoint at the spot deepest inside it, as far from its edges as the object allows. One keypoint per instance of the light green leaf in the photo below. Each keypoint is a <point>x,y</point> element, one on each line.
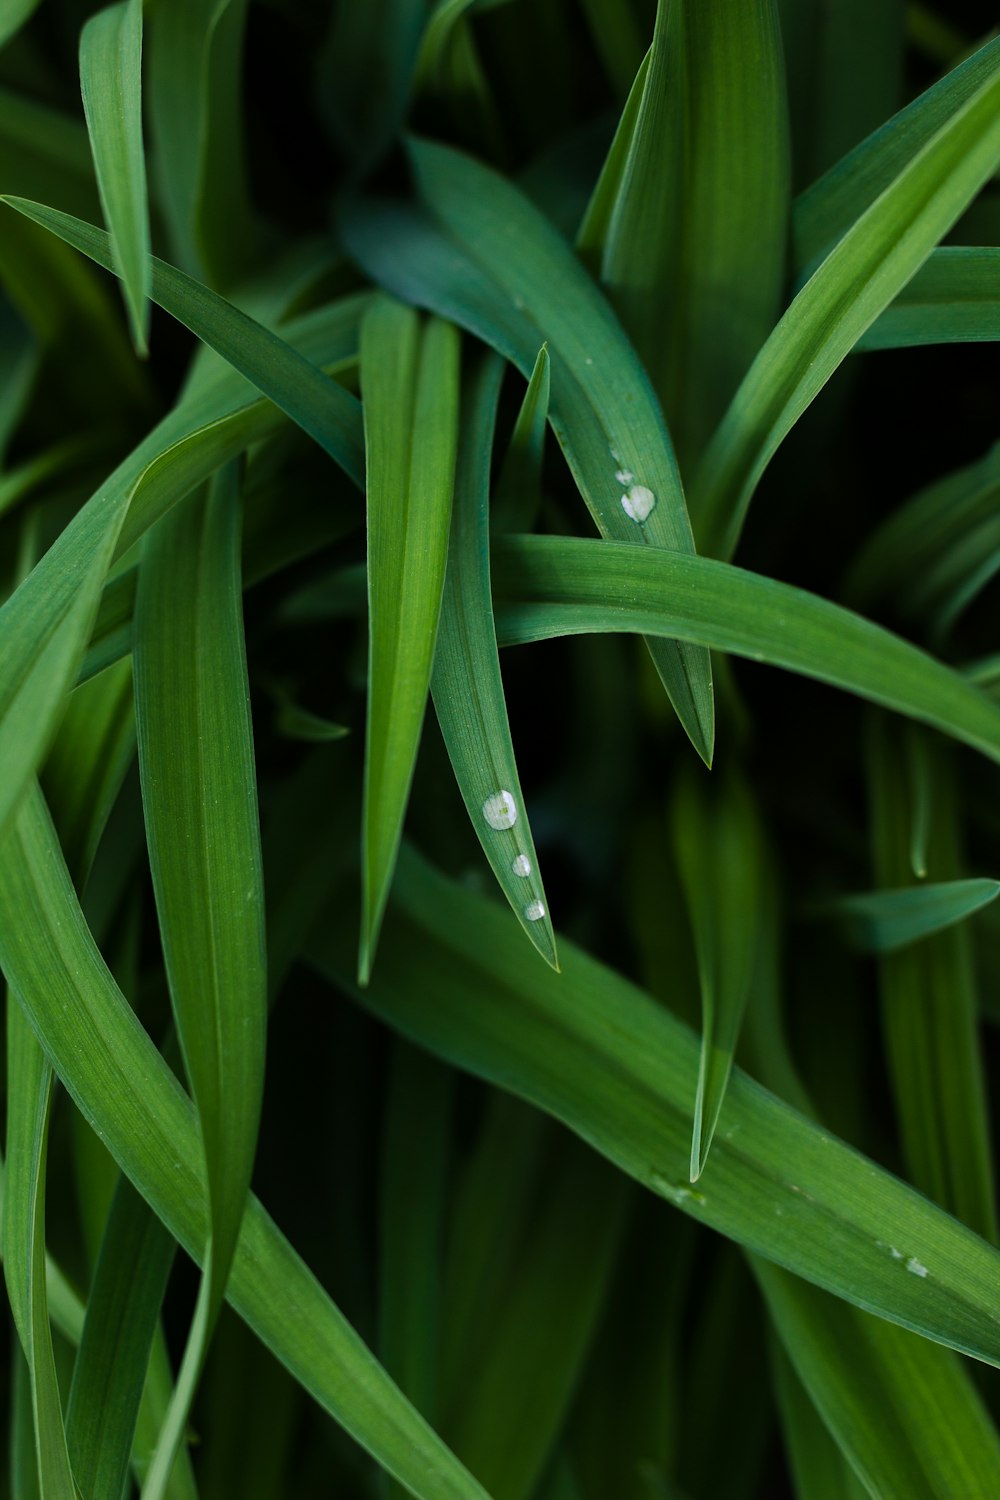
<point>127,1092</point>
<point>828,208</point>
<point>553,586</point>
<point>906,1414</point>
<point>693,246</point>
<point>13,15</point>
<point>954,298</point>
<point>493,264</point>
<point>717,843</point>
<point>111,84</point>
<point>618,1069</point>
<point>29,1105</point>
<point>467,686</point>
<point>409,381</point>
<point>882,921</point>
<point>199,794</point>
<point>859,278</point>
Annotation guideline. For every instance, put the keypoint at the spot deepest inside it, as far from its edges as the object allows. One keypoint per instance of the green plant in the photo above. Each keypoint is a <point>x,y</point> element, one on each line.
<point>670,1174</point>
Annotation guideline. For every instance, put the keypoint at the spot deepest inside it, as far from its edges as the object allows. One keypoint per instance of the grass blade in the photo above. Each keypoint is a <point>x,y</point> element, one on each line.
<point>111,83</point>
<point>129,1094</point>
<point>882,921</point>
<point>496,267</point>
<point>694,246</point>
<point>110,1371</point>
<point>905,1413</point>
<point>954,298</point>
<point>717,843</point>
<point>200,802</point>
<point>859,278</point>
<point>930,1005</point>
<point>29,1105</point>
<point>552,586</point>
<point>518,496</point>
<point>321,408</point>
<point>467,686</point>
<point>617,1068</point>
<point>196,107</point>
<point>819,1470</point>
<point>409,381</point>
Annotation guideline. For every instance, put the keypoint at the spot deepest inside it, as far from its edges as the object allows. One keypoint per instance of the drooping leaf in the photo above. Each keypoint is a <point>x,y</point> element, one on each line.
<point>882,921</point>
<point>467,686</point>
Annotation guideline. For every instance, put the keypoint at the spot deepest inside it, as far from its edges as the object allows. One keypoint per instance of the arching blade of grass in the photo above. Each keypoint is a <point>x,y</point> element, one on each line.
<point>954,298</point>
<point>409,380</point>
<point>412,1206</point>
<point>111,83</point>
<point>44,627</point>
<point>905,1413</point>
<point>882,921</point>
<point>491,262</point>
<point>321,408</point>
<point>128,1093</point>
<point>930,1004</point>
<point>199,794</point>
<point>829,206</point>
<point>553,586</point>
<point>693,248</point>
<point>619,1070</point>
<point>518,494</point>
<point>29,1105</point>
<point>859,278</point>
<point>717,842</point>
<point>818,1468</point>
<point>111,1368</point>
<point>467,686</point>
<point>13,15</point>
<point>196,103</point>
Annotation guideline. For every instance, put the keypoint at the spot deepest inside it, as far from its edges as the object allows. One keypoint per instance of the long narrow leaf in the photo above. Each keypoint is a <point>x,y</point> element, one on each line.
<point>881,921</point>
<point>111,82</point>
<point>467,686</point>
<point>954,298</point>
<point>493,264</point>
<point>410,385</point>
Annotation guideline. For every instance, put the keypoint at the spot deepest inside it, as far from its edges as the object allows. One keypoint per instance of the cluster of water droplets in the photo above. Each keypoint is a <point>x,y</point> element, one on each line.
<point>637,501</point>
<point>500,812</point>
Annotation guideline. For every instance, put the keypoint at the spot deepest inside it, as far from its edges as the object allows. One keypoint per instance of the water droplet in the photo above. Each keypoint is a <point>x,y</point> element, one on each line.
<point>521,866</point>
<point>913,1265</point>
<point>625,477</point>
<point>534,911</point>
<point>638,502</point>
<point>500,810</point>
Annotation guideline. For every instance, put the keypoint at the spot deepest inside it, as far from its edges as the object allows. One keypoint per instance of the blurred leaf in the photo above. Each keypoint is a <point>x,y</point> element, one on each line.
<point>111,83</point>
<point>589,1048</point>
<point>860,276</point>
<point>46,153</point>
<point>467,686</point>
<point>200,802</point>
<point>881,921</point>
<point>409,380</point>
<point>905,1413</point>
<point>618,38</point>
<point>489,261</point>
<point>196,109</point>
<point>130,1096</point>
<point>29,1104</point>
<point>13,15</point>
<point>553,586</point>
<point>819,1469</point>
<point>367,72</point>
<point>717,845</point>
